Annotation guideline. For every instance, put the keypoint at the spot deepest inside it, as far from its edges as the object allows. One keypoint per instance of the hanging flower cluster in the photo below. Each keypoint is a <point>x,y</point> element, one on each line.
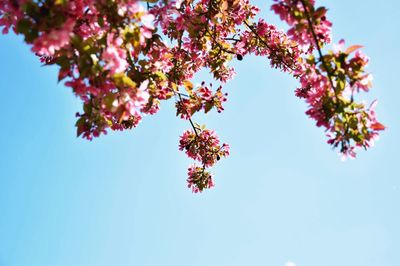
<point>330,82</point>
<point>123,57</point>
<point>202,98</point>
<point>204,146</point>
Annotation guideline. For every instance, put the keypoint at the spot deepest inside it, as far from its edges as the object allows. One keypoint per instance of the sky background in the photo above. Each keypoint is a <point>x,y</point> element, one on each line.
<point>283,195</point>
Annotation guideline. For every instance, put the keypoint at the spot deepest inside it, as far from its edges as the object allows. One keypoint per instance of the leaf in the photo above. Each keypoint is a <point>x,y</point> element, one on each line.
<point>60,2</point>
<point>208,106</point>
<point>224,6</point>
<point>62,75</point>
<point>188,86</point>
<point>87,108</point>
<point>353,48</point>
<point>161,75</point>
<point>378,126</point>
<point>123,80</point>
<point>340,85</point>
<point>320,12</point>
<point>63,62</point>
<point>235,4</point>
<point>174,87</point>
<point>23,26</point>
<point>80,126</point>
<point>109,100</point>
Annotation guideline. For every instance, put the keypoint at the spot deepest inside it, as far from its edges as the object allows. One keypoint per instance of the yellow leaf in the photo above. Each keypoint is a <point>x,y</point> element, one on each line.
<point>60,2</point>
<point>174,86</point>
<point>224,6</point>
<point>353,48</point>
<point>188,86</point>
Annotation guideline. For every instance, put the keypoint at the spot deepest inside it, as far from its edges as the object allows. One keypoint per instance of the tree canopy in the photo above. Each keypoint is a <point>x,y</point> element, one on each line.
<point>123,57</point>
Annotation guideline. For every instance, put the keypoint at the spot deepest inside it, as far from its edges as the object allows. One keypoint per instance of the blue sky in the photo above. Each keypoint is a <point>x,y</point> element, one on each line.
<point>283,195</point>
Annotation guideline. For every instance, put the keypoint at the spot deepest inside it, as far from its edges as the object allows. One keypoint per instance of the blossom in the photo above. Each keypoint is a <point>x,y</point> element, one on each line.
<point>298,14</point>
<point>147,21</point>
<point>123,59</point>
<point>199,179</point>
<point>50,42</point>
<point>203,146</point>
<point>114,55</point>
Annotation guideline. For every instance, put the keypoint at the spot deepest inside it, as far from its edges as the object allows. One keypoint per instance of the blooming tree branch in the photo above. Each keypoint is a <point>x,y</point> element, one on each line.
<point>123,57</point>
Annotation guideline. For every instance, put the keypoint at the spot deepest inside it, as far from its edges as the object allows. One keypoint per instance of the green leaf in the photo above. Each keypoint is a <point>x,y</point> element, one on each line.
<point>108,100</point>
<point>208,106</point>
<point>80,124</point>
<point>63,62</point>
<point>23,26</point>
<point>320,12</point>
<point>123,80</point>
<point>87,108</point>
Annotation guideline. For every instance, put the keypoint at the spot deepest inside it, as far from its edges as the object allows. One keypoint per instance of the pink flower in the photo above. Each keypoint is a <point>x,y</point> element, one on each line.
<point>147,21</point>
<point>203,146</point>
<point>48,43</point>
<point>114,55</point>
<point>199,179</point>
<point>123,59</point>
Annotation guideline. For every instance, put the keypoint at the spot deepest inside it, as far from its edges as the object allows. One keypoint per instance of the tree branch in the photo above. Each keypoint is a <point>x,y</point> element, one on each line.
<point>321,57</point>
<point>265,43</point>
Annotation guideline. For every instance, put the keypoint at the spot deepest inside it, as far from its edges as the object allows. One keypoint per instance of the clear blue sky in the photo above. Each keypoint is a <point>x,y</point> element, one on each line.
<point>283,194</point>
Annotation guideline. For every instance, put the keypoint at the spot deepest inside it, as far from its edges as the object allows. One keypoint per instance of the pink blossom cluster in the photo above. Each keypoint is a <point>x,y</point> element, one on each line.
<point>204,146</point>
<point>122,58</point>
<point>10,14</point>
<point>203,98</point>
<point>298,14</point>
<point>199,179</point>
<point>113,56</point>
<point>50,42</point>
<point>329,87</point>
<point>92,42</point>
<point>263,39</point>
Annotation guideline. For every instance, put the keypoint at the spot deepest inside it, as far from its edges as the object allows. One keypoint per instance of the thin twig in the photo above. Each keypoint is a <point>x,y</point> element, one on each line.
<point>265,43</point>
<point>321,57</point>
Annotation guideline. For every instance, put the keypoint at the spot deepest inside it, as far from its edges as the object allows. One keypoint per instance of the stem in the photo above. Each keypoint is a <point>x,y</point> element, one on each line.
<point>218,44</point>
<point>179,94</point>
<point>232,39</point>
<point>190,119</point>
<point>207,30</point>
<point>265,43</point>
<point>321,57</point>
